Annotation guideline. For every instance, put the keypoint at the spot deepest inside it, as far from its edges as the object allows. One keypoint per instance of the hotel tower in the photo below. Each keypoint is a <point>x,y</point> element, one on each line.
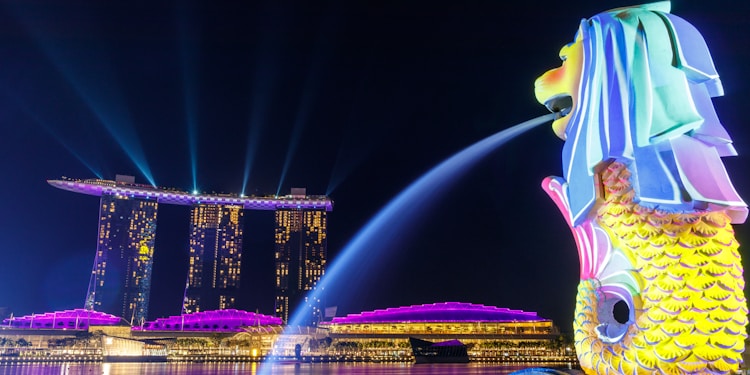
<point>215,257</point>
<point>301,251</point>
<point>121,278</point>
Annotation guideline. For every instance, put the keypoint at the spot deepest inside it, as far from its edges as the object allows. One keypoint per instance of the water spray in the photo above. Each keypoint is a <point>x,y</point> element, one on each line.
<point>389,223</point>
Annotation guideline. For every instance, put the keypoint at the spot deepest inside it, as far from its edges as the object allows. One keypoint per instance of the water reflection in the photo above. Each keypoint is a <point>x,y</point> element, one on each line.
<point>252,368</point>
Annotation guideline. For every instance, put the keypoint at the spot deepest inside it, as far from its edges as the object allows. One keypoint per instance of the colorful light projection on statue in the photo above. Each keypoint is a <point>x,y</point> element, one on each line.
<point>647,197</point>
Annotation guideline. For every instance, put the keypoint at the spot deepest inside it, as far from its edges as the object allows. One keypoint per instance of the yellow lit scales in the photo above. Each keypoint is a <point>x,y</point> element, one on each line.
<point>647,197</point>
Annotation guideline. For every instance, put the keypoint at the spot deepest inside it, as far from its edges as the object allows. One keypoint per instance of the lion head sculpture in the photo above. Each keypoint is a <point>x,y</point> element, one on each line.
<point>636,86</point>
<point>647,197</point>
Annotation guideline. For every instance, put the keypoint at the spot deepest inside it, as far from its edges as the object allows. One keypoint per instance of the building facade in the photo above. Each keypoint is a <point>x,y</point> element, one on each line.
<point>490,333</point>
<point>121,277</point>
<point>300,256</point>
<point>215,257</point>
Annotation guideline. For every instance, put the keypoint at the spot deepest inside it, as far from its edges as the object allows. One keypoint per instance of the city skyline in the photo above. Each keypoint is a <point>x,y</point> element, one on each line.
<point>121,279</point>
<point>351,100</point>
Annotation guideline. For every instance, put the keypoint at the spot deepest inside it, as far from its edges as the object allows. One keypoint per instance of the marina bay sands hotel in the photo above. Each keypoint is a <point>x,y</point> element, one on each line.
<point>121,277</point>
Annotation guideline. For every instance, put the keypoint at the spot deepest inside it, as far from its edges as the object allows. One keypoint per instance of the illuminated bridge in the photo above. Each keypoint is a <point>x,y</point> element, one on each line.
<point>171,196</point>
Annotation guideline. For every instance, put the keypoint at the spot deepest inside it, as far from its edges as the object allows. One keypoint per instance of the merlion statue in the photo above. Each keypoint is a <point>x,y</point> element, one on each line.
<point>647,196</point>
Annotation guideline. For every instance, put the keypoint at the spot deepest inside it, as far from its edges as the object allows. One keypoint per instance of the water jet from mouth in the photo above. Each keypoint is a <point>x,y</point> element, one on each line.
<point>393,219</point>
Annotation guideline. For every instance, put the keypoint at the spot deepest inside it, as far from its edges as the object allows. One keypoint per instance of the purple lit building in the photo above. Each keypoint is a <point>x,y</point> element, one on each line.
<point>229,320</point>
<point>68,319</point>
<point>453,312</point>
<point>488,331</point>
<point>121,277</point>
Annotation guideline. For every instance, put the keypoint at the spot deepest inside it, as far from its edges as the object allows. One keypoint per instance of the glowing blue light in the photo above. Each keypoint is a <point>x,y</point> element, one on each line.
<point>187,63</point>
<point>308,95</point>
<point>266,75</point>
<point>196,192</point>
<point>390,223</point>
<point>99,89</point>
<point>252,142</point>
<point>193,142</point>
<point>89,72</point>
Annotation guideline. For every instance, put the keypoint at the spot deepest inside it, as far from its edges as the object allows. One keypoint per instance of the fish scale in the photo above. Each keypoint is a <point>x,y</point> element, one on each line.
<point>680,330</point>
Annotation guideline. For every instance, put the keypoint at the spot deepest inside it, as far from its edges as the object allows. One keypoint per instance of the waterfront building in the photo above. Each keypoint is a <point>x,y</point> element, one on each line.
<point>215,257</point>
<point>300,256</point>
<point>76,319</point>
<point>488,331</point>
<point>229,320</point>
<point>121,277</point>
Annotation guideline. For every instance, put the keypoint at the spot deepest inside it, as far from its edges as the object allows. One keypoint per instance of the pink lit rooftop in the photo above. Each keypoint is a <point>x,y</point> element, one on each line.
<point>440,312</point>
<point>67,319</point>
<point>229,320</point>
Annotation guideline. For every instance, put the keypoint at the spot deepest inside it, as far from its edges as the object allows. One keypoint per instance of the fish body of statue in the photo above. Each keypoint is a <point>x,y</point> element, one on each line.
<point>647,197</point>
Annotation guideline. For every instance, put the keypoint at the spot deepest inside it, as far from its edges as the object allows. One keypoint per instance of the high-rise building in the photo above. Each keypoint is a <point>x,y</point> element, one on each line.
<point>121,277</point>
<point>215,257</point>
<point>300,255</point>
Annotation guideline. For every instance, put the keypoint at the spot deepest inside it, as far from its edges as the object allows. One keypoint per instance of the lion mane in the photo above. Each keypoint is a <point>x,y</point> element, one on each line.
<point>645,100</point>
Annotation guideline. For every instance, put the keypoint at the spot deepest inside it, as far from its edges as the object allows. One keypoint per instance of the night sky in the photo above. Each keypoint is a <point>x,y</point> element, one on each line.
<point>354,99</point>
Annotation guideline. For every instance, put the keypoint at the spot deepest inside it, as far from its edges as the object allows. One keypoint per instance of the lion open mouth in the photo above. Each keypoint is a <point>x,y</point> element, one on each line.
<point>560,105</point>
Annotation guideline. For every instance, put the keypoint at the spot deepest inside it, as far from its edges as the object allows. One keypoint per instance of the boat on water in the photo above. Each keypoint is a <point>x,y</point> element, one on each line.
<point>451,351</point>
